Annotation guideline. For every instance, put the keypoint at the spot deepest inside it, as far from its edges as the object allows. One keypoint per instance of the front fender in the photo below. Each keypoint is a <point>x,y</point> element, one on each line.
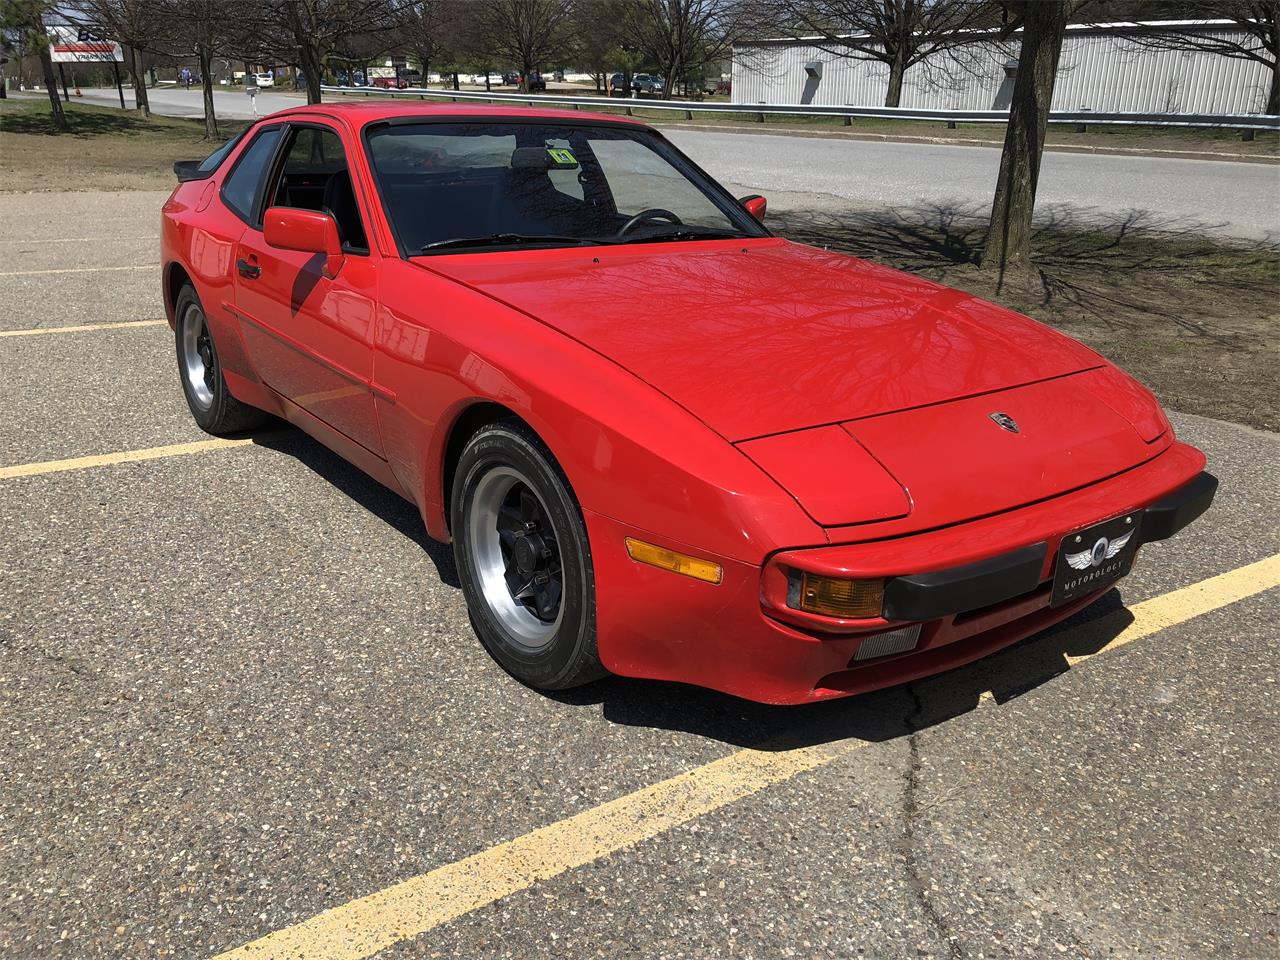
<point>629,452</point>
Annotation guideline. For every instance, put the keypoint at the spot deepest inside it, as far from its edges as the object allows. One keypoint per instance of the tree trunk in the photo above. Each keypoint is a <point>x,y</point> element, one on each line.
<point>897,68</point>
<point>1008,243</point>
<point>51,85</point>
<point>206,77</point>
<point>313,70</point>
<point>1273,99</point>
<point>140,102</point>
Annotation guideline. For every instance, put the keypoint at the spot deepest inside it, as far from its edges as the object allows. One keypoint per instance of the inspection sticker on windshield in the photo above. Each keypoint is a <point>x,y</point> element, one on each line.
<point>562,157</point>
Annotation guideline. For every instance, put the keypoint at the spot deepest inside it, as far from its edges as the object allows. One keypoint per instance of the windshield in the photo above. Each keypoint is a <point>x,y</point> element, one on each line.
<point>451,186</point>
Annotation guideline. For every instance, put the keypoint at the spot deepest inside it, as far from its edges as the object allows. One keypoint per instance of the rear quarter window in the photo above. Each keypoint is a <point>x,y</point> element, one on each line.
<point>214,160</point>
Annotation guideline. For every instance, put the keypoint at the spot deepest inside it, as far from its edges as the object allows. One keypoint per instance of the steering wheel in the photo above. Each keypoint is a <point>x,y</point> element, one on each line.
<point>653,213</point>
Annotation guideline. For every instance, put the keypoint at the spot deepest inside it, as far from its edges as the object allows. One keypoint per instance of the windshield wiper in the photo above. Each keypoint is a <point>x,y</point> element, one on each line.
<point>689,235</point>
<point>508,239</point>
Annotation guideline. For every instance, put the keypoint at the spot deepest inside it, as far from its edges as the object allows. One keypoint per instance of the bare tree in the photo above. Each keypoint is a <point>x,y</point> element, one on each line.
<point>897,33</point>
<point>681,37</point>
<point>207,29</point>
<point>526,33</point>
<point>24,20</point>
<point>1043,24</point>
<point>135,24</point>
<point>598,36</point>
<point>1257,20</point>
<point>306,33</point>
<point>426,27</point>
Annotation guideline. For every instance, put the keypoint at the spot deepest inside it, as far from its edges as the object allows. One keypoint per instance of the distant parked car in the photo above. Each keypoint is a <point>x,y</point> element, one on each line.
<point>646,83</point>
<point>536,83</point>
<point>412,78</point>
<point>618,86</point>
<point>390,83</point>
<point>510,79</point>
<point>265,79</point>
<point>558,76</point>
<point>716,88</point>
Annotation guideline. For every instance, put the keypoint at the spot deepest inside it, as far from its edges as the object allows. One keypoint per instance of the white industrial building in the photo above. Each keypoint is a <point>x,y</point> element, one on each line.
<point>1101,69</point>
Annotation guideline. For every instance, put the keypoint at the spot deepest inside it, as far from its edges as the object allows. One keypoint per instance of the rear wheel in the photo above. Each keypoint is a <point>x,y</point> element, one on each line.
<point>214,408</point>
<point>524,560</point>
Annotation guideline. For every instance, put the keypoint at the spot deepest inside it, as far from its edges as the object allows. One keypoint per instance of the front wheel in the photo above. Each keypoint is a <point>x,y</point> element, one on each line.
<point>215,410</point>
<point>524,560</point>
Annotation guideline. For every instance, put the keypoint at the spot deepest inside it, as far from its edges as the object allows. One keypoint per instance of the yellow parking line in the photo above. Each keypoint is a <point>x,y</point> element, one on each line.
<point>125,456</point>
<point>37,273</point>
<point>80,328</point>
<point>360,928</point>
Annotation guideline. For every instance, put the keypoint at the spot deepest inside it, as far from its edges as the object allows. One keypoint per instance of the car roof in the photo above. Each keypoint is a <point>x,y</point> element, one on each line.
<point>359,114</point>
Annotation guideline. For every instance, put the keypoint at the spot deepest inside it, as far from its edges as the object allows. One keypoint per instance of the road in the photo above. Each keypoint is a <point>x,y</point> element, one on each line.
<point>239,689</point>
<point>1216,197</point>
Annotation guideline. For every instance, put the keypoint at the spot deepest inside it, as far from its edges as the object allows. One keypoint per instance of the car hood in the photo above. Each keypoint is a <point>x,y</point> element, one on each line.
<point>765,336</point>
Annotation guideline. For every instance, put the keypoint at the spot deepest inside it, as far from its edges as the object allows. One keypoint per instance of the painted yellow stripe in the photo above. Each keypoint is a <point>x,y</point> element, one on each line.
<point>39,273</point>
<point>80,328</point>
<point>360,928</point>
<point>125,456</point>
<point>1170,609</point>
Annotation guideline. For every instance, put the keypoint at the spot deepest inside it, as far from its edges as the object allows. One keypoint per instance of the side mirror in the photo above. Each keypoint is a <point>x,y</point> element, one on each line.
<point>755,205</point>
<point>309,231</point>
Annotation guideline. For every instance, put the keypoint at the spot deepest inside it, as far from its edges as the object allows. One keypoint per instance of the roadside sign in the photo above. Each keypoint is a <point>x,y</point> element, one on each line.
<point>80,45</point>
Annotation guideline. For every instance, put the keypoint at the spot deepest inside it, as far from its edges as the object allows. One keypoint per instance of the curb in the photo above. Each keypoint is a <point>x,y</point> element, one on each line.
<point>970,142</point>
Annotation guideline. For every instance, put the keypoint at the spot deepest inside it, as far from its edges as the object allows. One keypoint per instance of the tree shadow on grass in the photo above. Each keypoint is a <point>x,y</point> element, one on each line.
<point>1097,262</point>
<point>82,123</point>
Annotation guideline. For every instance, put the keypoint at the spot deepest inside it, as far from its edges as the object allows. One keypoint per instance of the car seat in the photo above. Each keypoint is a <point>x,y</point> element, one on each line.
<point>340,203</point>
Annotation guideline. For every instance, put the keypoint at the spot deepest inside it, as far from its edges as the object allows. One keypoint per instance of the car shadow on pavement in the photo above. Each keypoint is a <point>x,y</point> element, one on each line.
<point>396,512</point>
<point>874,717</point>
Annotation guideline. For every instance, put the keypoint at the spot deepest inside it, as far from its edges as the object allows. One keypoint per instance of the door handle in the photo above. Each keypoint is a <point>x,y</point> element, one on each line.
<point>248,270</point>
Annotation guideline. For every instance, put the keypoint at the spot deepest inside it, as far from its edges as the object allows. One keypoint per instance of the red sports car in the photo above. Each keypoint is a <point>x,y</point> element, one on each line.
<point>663,442</point>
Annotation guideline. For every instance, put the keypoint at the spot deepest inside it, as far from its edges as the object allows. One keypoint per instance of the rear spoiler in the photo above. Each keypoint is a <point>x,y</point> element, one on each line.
<point>190,170</point>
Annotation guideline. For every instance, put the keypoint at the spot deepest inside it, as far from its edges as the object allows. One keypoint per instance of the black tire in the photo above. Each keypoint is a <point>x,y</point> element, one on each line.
<point>567,656</point>
<point>215,410</point>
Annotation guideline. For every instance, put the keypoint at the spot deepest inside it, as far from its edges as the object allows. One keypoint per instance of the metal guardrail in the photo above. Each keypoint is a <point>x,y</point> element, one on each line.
<point>1234,121</point>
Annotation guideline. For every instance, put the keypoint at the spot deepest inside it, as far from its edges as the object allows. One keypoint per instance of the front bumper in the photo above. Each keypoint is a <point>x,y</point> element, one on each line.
<point>976,587</point>
<point>928,596</point>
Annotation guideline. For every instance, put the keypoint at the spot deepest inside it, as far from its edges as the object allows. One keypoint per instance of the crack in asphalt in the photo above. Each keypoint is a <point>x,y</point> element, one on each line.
<point>910,812</point>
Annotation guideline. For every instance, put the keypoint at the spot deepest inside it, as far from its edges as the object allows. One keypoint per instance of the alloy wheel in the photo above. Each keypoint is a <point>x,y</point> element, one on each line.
<point>517,556</point>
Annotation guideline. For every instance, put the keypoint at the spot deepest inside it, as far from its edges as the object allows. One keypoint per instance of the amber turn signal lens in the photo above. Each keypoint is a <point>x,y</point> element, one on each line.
<point>679,563</point>
<point>832,597</point>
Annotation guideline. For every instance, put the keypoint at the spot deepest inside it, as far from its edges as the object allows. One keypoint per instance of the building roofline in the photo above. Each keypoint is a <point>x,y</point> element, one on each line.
<point>1132,26</point>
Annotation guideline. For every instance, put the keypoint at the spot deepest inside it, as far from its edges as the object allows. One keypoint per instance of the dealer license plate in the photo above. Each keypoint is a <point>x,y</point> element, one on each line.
<point>1095,557</point>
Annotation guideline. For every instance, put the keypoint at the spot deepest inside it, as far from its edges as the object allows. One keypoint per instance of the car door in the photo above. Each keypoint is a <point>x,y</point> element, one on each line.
<point>310,336</point>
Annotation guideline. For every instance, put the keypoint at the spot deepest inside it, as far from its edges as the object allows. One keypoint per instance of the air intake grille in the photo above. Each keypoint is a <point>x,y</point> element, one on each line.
<point>884,644</point>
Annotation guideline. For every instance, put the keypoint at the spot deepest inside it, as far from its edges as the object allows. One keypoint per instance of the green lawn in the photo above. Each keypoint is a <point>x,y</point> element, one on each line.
<point>106,148</point>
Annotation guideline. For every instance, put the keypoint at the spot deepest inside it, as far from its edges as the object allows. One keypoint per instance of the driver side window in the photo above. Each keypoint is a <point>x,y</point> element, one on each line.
<point>314,176</point>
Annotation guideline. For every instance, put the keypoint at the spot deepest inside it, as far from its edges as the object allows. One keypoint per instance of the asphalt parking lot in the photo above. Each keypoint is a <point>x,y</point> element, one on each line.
<point>243,714</point>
